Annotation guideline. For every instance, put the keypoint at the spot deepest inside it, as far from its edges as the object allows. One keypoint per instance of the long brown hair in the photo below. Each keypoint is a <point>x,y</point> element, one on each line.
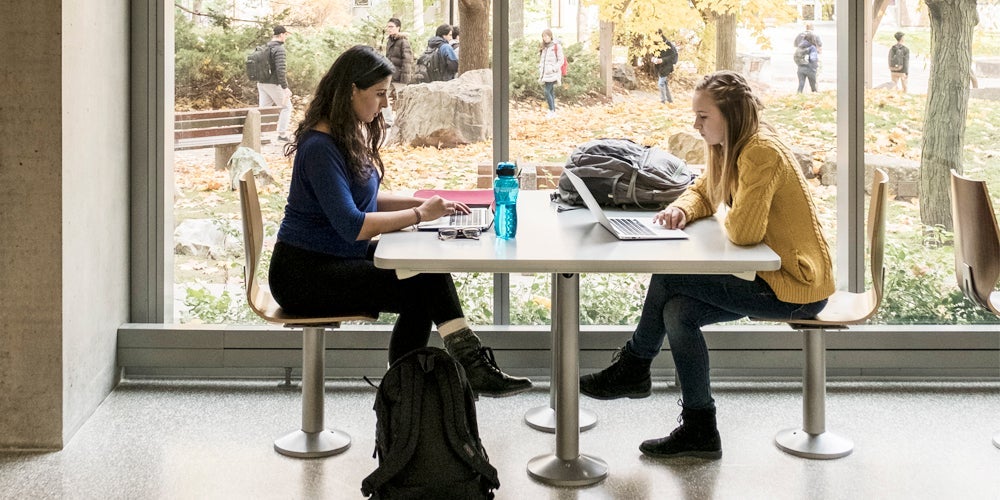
<point>542,45</point>
<point>741,108</point>
<point>359,66</point>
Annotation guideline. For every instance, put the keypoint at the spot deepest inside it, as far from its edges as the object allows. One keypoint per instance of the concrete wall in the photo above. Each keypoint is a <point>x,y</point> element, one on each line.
<point>63,214</point>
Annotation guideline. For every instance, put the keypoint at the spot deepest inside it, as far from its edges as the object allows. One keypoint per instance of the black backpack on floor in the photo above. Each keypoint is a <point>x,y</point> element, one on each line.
<point>427,439</point>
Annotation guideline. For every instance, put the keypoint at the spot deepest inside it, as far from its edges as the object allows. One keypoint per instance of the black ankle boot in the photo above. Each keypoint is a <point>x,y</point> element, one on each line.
<point>627,377</point>
<point>481,368</point>
<point>697,436</point>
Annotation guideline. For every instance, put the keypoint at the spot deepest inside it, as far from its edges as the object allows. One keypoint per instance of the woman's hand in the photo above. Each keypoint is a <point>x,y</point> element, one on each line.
<point>436,206</point>
<point>671,218</point>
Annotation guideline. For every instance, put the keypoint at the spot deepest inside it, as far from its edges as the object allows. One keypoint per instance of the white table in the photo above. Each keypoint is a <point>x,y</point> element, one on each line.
<point>567,244</point>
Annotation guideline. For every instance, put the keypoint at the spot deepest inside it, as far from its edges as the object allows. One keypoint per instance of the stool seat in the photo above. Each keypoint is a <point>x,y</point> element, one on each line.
<point>312,439</point>
<point>977,244</point>
<point>842,309</point>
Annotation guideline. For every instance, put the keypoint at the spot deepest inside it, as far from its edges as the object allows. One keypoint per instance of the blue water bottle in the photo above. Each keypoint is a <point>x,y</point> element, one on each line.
<point>505,190</point>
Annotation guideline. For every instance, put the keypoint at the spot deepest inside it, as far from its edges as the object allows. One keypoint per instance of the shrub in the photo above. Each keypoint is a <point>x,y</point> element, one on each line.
<point>920,287</point>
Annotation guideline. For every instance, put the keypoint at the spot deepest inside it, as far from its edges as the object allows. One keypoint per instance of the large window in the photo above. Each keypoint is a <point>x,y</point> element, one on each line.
<point>206,276</point>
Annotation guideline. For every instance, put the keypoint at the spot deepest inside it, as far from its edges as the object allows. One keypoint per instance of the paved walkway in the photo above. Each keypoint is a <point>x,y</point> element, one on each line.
<point>780,72</point>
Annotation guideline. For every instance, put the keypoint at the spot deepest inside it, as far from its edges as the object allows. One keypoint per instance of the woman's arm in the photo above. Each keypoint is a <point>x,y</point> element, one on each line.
<point>759,177</point>
<point>397,212</point>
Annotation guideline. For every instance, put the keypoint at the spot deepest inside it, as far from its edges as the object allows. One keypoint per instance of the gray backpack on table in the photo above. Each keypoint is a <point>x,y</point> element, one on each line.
<point>622,173</point>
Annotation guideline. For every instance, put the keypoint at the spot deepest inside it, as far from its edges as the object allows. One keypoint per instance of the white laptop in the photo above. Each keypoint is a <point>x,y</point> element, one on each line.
<point>478,217</point>
<point>624,228</point>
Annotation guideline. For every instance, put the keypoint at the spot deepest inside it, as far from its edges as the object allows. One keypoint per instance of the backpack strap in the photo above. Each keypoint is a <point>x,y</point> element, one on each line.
<point>458,419</point>
<point>406,436</point>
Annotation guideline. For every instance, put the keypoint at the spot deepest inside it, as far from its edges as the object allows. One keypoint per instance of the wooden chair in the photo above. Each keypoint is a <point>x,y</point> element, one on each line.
<point>312,439</point>
<point>844,308</point>
<point>977,244</point>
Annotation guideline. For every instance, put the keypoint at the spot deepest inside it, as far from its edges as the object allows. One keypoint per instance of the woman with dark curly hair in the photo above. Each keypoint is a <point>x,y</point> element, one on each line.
<point>322,262</point>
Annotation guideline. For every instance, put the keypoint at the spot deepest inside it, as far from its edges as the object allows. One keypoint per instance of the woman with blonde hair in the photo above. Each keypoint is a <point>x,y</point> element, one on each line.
<point>756,178</point>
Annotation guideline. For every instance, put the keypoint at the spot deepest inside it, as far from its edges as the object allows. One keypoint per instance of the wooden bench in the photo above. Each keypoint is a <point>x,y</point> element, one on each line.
<point>224,129</point>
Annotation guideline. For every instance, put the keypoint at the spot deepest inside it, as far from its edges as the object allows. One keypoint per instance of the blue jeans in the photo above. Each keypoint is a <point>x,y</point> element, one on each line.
<point>664,90</point>
<point>807,73</point>
<point>678,305</point>
<point>550,95</point>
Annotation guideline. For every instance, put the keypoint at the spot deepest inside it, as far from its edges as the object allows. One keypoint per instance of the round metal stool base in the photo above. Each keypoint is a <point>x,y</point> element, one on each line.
<point>543,418</point>
<point>823,446</point>
<point>584,470</point>
<point>301,444</point>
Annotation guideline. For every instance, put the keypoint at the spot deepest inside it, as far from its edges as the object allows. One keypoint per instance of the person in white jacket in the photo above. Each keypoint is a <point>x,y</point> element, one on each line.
<point>550,62</point>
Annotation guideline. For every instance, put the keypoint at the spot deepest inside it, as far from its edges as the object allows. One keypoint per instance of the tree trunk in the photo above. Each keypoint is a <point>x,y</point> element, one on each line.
<point>604,56</point>
<point>474,18</point>
<point>417,19</point>
<point>952,23</point>
<point>516,19</point>
<point>725,41</point>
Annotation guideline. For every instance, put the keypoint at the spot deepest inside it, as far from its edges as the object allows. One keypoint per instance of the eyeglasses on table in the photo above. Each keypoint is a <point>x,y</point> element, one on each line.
<point>451,233</point>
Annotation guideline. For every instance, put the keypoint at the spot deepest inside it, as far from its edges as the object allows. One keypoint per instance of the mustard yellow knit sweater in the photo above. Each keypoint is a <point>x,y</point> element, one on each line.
<point>772,204</point>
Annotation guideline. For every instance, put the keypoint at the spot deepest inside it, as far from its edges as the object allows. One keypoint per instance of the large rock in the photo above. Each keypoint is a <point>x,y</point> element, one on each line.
<point>206,238</point>
<point>445,114</point>
<point>805,160</point>
<point>904,174</point>
<point>625,75</point>
<point>687,146</point>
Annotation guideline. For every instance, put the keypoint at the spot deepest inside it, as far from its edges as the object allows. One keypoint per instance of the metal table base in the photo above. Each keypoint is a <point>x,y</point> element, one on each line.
<point>567,467</point>
<point>543,418</point>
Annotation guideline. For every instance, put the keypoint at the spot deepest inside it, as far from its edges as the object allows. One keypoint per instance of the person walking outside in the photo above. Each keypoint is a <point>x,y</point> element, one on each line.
<point>455,33</point>
<point>400,54</point>
<point>899,63</point>
<point>550,69</point>
<point>753,172</point>
<point>807,59</point>
<point>275,91</point>
<point>439,61</point>
<point>816,38</point>
<point>665,66</point>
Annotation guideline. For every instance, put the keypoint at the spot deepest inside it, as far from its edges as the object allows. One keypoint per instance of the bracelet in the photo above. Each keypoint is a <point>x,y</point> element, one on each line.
<point>417,212</point>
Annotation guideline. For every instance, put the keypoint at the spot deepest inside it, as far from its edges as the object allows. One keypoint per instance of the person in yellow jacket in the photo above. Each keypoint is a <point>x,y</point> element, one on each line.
<point>755,176</point>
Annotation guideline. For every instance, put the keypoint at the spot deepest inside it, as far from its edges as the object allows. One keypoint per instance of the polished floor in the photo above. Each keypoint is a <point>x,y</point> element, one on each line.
<point>208,439</point>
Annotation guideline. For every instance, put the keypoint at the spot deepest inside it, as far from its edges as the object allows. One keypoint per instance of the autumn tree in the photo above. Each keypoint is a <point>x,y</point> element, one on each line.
<point>474,18</point>
<point>713,21</point>
<point>952,23</point>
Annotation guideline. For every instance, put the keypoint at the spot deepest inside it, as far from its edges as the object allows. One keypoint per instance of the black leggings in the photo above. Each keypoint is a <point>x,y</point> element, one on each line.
<point>314,284</point>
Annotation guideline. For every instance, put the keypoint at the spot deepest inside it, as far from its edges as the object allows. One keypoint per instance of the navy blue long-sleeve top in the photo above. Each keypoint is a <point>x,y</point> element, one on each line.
<point>326,205</point>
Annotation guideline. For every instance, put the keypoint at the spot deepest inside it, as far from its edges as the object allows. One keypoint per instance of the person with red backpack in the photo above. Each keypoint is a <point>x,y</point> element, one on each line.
<point>550,68</point>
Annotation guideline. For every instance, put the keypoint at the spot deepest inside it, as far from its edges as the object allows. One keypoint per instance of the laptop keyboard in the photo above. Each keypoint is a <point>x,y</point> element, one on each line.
<point>473,219</point>
<point>630,226</point>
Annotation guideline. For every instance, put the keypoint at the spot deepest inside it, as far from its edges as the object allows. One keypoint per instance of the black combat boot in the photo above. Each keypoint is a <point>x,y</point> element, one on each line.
<point>627,377</point>
<point>481,368</point>
<point>697,436</point>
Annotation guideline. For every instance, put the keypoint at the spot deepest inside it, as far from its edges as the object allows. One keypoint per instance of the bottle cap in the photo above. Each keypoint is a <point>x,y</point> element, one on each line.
<point>506,168</point>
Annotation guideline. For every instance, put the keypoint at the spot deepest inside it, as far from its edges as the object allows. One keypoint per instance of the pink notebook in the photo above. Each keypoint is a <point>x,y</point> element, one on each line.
<point>471,197</point>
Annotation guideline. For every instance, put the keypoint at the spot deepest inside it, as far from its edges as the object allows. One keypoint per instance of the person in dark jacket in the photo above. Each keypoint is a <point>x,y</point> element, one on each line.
<point>664,66</point>
<point>810,66</point>
<point>899,62</point>
<point>442,42</point>
<point>399,53</point>
<point>275,91</point>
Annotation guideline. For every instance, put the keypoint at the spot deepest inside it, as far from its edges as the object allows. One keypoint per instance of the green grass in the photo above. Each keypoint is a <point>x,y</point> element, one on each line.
<point>984,43</point>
